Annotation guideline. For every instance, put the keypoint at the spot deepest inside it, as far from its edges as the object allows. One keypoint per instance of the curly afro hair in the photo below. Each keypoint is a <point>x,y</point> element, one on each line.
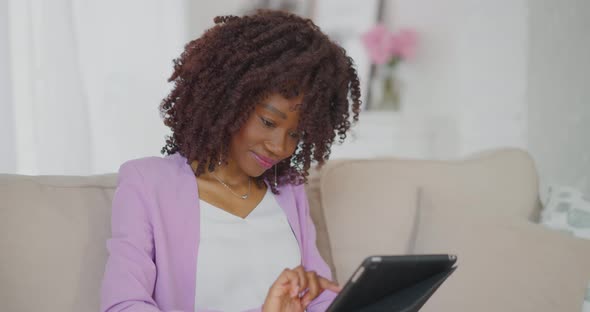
<point>221,76</point>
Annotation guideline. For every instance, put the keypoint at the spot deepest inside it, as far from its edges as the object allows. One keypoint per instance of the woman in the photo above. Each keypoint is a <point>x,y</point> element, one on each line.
<point>222,221</point>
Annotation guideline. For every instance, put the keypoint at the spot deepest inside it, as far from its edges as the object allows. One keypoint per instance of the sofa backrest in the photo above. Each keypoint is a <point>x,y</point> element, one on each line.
<point>370,206</point>
<point>53,233</point>
<point>53,230</point>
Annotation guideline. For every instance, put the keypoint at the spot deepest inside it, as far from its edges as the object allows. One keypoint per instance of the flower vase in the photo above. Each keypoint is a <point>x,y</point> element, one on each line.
<point>385,91</point>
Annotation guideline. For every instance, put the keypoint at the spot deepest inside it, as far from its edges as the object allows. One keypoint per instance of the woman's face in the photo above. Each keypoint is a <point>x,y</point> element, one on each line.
<point>268,136</point>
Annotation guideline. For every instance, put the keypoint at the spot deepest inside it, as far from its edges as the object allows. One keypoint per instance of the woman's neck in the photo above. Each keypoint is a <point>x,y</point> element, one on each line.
<point>230,173</point>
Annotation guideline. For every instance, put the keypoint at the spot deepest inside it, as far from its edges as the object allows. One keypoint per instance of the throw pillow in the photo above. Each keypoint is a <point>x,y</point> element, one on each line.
<point>367,213</point>
<point>504,264</point>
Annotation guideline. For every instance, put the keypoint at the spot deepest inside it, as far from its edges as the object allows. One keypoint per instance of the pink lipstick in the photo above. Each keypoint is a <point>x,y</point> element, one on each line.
<point>264,162</point>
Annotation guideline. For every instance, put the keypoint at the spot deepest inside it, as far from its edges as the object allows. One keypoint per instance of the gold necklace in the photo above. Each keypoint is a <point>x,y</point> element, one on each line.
<point>245,196</point>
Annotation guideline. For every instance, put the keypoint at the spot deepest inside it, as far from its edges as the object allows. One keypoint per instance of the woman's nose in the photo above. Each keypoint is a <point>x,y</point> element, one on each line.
<point>279,145</point>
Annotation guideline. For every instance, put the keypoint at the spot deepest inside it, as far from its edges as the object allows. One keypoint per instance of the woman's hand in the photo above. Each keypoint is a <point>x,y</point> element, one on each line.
<point>295,289</point>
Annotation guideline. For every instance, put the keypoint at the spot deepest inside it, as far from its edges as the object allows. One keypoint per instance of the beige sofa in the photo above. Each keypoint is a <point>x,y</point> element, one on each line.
<point>53,232</point>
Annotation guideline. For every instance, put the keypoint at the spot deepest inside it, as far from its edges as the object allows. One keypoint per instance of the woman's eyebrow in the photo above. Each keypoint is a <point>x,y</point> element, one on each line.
<point>275,111</point>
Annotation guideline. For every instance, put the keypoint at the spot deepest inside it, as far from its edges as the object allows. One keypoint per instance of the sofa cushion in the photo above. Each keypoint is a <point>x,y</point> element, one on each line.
<point>52,236</point>
<point>504,264</point>
<point>367,213</point>
<point>475,182</point>
<point>495,183</point>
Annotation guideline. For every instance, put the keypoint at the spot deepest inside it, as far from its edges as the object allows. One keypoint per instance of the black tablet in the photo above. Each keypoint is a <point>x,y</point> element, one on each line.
<point>394,283</point>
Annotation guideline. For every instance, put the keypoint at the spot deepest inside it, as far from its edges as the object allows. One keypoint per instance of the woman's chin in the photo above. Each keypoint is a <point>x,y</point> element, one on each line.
<point>255,171</point>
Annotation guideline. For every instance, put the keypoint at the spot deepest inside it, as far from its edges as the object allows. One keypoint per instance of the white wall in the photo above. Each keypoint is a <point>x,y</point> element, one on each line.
<point>559,91</point>
<point>126,62</point>
<point>466,89</point>
<point>200,14</point>
<point>87,78</point>
<point>7,144</point>
<point>500,73</point>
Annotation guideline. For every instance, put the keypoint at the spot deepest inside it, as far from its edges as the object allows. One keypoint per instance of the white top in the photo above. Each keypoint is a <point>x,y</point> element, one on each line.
<point>239,259</point>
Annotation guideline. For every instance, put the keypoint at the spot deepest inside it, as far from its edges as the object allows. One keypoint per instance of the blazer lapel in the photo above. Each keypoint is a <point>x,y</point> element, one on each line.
<point>287,202</point>
<point>186,240</point>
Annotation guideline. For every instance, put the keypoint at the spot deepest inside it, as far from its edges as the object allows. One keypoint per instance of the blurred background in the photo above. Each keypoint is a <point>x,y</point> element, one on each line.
<point>81,80</point>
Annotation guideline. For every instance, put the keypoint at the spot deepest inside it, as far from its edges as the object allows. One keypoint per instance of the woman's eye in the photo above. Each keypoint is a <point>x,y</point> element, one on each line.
<point>294,135</point>
<point>267,123</point>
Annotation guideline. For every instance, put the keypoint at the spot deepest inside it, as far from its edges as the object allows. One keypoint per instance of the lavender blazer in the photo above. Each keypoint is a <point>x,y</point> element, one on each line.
<point>155,238</point>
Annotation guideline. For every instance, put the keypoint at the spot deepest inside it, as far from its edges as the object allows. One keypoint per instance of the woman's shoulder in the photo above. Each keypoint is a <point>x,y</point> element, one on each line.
<point>154,168</point>
<point>297,191</point>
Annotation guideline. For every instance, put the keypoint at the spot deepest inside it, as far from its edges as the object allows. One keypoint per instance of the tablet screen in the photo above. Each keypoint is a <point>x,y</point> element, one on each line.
<point>393,283</point>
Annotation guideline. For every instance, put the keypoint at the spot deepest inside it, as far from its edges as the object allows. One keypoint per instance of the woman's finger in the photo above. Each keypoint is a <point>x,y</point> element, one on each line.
<point>303,282</point>
<point>293,282</point>
<point>327,284</point>
<point>284,293</point>
<point>314,288</point>
<point>286,283</point>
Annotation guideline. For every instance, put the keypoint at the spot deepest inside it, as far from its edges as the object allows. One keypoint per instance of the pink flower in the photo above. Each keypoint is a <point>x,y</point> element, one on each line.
<point>404,44</point>
<point>384,46</point>
<point>379,44</point>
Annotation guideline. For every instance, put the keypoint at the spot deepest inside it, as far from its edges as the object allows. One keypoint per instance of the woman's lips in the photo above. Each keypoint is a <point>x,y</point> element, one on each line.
<point>264,162</point>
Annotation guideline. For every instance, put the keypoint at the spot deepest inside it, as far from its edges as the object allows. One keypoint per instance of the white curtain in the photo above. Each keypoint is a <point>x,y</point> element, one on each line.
<point>84,82</point>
